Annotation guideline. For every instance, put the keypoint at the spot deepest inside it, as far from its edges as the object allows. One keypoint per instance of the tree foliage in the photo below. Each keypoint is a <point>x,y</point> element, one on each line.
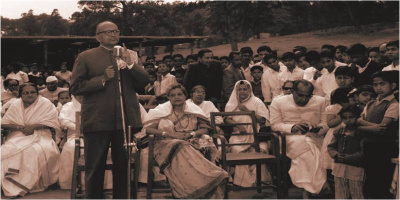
<point>224,21</point>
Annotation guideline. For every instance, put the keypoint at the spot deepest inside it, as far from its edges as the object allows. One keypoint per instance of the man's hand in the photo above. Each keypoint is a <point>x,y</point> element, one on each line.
<point>28,129</point>
<point>300,127</point>
<point>130,57</point>
<point>317,75</point>
<point>379,129</point>
<point>109,73</point>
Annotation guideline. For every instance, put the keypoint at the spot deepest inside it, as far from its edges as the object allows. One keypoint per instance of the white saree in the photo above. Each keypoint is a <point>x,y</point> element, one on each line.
<point>245,175</point>
<point>30,163</point>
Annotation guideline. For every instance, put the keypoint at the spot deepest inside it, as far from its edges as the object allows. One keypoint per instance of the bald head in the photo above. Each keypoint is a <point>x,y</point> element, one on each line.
<point>101,26</point>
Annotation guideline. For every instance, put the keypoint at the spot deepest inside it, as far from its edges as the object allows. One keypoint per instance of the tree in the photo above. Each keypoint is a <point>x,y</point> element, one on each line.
<point>55,24</point>
<point>29,24</point>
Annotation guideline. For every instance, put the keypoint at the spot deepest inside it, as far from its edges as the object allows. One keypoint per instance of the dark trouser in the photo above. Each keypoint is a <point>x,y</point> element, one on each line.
<point>379,168</point>
<point>96,150</point>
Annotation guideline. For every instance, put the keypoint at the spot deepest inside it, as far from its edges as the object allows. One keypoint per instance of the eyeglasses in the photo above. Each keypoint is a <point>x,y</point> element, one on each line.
<point>109,33</point>
<point>29,92</point>
<point>287,88</point>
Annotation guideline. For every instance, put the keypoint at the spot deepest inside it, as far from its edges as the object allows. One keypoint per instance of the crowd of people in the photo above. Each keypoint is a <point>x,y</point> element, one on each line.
<point>338,107</point>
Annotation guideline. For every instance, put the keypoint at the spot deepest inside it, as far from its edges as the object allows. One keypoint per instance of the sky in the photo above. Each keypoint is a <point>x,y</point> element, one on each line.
<point>13,9</point>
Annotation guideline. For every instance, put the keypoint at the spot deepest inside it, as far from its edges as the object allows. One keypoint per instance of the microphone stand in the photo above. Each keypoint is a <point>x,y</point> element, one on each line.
<point>128,143</point>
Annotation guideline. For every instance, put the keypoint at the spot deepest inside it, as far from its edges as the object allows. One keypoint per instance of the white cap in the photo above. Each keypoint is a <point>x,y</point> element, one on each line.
<point>51,79</point>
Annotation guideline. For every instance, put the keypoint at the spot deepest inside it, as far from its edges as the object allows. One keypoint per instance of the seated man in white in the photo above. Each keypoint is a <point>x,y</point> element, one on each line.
<point>301,117</point>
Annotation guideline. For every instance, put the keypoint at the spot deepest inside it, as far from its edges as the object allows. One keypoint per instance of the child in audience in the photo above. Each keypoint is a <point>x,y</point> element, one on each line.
<point>256,73</point>
<point>63,98</point>
<point>361,96</point>
<point>379,124</point>
<point>344,76</point>
<point>392,53</point>
<point>347,150</point>
<point>179,75</point>
<point>166,81</point>
<point>225,61</point>
<point>338,101</point>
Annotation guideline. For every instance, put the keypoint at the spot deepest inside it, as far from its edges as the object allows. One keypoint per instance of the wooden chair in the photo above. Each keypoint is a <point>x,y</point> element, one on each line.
<point>77,190</point>
<point>250,158</point>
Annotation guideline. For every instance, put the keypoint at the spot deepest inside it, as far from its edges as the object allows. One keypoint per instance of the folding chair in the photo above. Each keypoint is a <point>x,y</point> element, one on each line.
<point>249,158</point>
<point>77,190</point>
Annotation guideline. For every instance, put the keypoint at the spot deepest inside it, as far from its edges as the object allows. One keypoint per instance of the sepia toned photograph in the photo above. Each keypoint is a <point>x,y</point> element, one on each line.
<point>198,99</point>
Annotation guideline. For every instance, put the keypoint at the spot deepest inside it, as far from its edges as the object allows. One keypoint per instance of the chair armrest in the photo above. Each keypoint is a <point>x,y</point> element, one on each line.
<point>283,144</point>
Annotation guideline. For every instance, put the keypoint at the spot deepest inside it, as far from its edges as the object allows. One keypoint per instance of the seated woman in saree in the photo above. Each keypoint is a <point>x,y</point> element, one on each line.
<point>198,95</point>
<point>243,99</point>
<point>176,124</point>
<point>29,156</point>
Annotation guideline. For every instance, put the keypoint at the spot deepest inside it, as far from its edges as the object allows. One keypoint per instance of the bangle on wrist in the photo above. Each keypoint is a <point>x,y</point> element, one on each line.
<point>164,133</point>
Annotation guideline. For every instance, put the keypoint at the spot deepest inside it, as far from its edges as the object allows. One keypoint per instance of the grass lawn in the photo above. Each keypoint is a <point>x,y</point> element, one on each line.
<point>371,36</point>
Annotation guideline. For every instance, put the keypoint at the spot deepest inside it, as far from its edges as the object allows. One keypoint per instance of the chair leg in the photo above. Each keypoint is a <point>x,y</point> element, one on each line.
<point>279,182</point>
<point>150,175</point>
<point>135,184</point>
<point>285,182</point>
<point>258,176</point>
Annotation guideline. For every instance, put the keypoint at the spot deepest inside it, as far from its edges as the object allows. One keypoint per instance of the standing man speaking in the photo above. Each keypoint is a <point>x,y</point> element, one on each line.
<point>95,76</point>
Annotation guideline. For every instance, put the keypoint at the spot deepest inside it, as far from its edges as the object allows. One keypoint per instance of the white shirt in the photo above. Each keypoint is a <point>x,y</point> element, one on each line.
<point>64,75</point>
<point>247,73</point>
<point>309,74</point>
<point>297,74</point>
<point>51,95</point>
<point>391,67</point>
<point>328,83</point>
<point>166,82</point>
<point>21,76</point>
<point>285,113</point>
<point>271,84</point>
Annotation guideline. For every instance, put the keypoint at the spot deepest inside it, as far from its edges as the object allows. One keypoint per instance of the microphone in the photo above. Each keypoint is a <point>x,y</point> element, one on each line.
<point>117,51</point>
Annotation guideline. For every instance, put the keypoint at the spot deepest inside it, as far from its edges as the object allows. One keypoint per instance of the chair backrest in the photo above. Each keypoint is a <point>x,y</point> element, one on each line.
<point>253,123</point>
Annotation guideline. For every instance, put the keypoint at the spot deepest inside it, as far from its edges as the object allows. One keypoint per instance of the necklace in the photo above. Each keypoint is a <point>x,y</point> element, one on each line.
<point>179,120</point>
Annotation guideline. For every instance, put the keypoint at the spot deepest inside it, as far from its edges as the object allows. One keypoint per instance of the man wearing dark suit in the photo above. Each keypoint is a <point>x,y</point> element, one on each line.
<point>232,74</point>
<point>362,65</point>
<point>207,73</point>
<point>95,76</point>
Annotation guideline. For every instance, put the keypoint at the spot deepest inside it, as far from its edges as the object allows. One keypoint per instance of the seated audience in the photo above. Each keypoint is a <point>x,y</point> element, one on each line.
<point>177,125</point>
<point>64,74</point>
<point>10,90</point>
<point>301,117</point>
<point>243,99</point>
<point>29,156</point>
<point>17,74</point>
<point>51,91</point>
